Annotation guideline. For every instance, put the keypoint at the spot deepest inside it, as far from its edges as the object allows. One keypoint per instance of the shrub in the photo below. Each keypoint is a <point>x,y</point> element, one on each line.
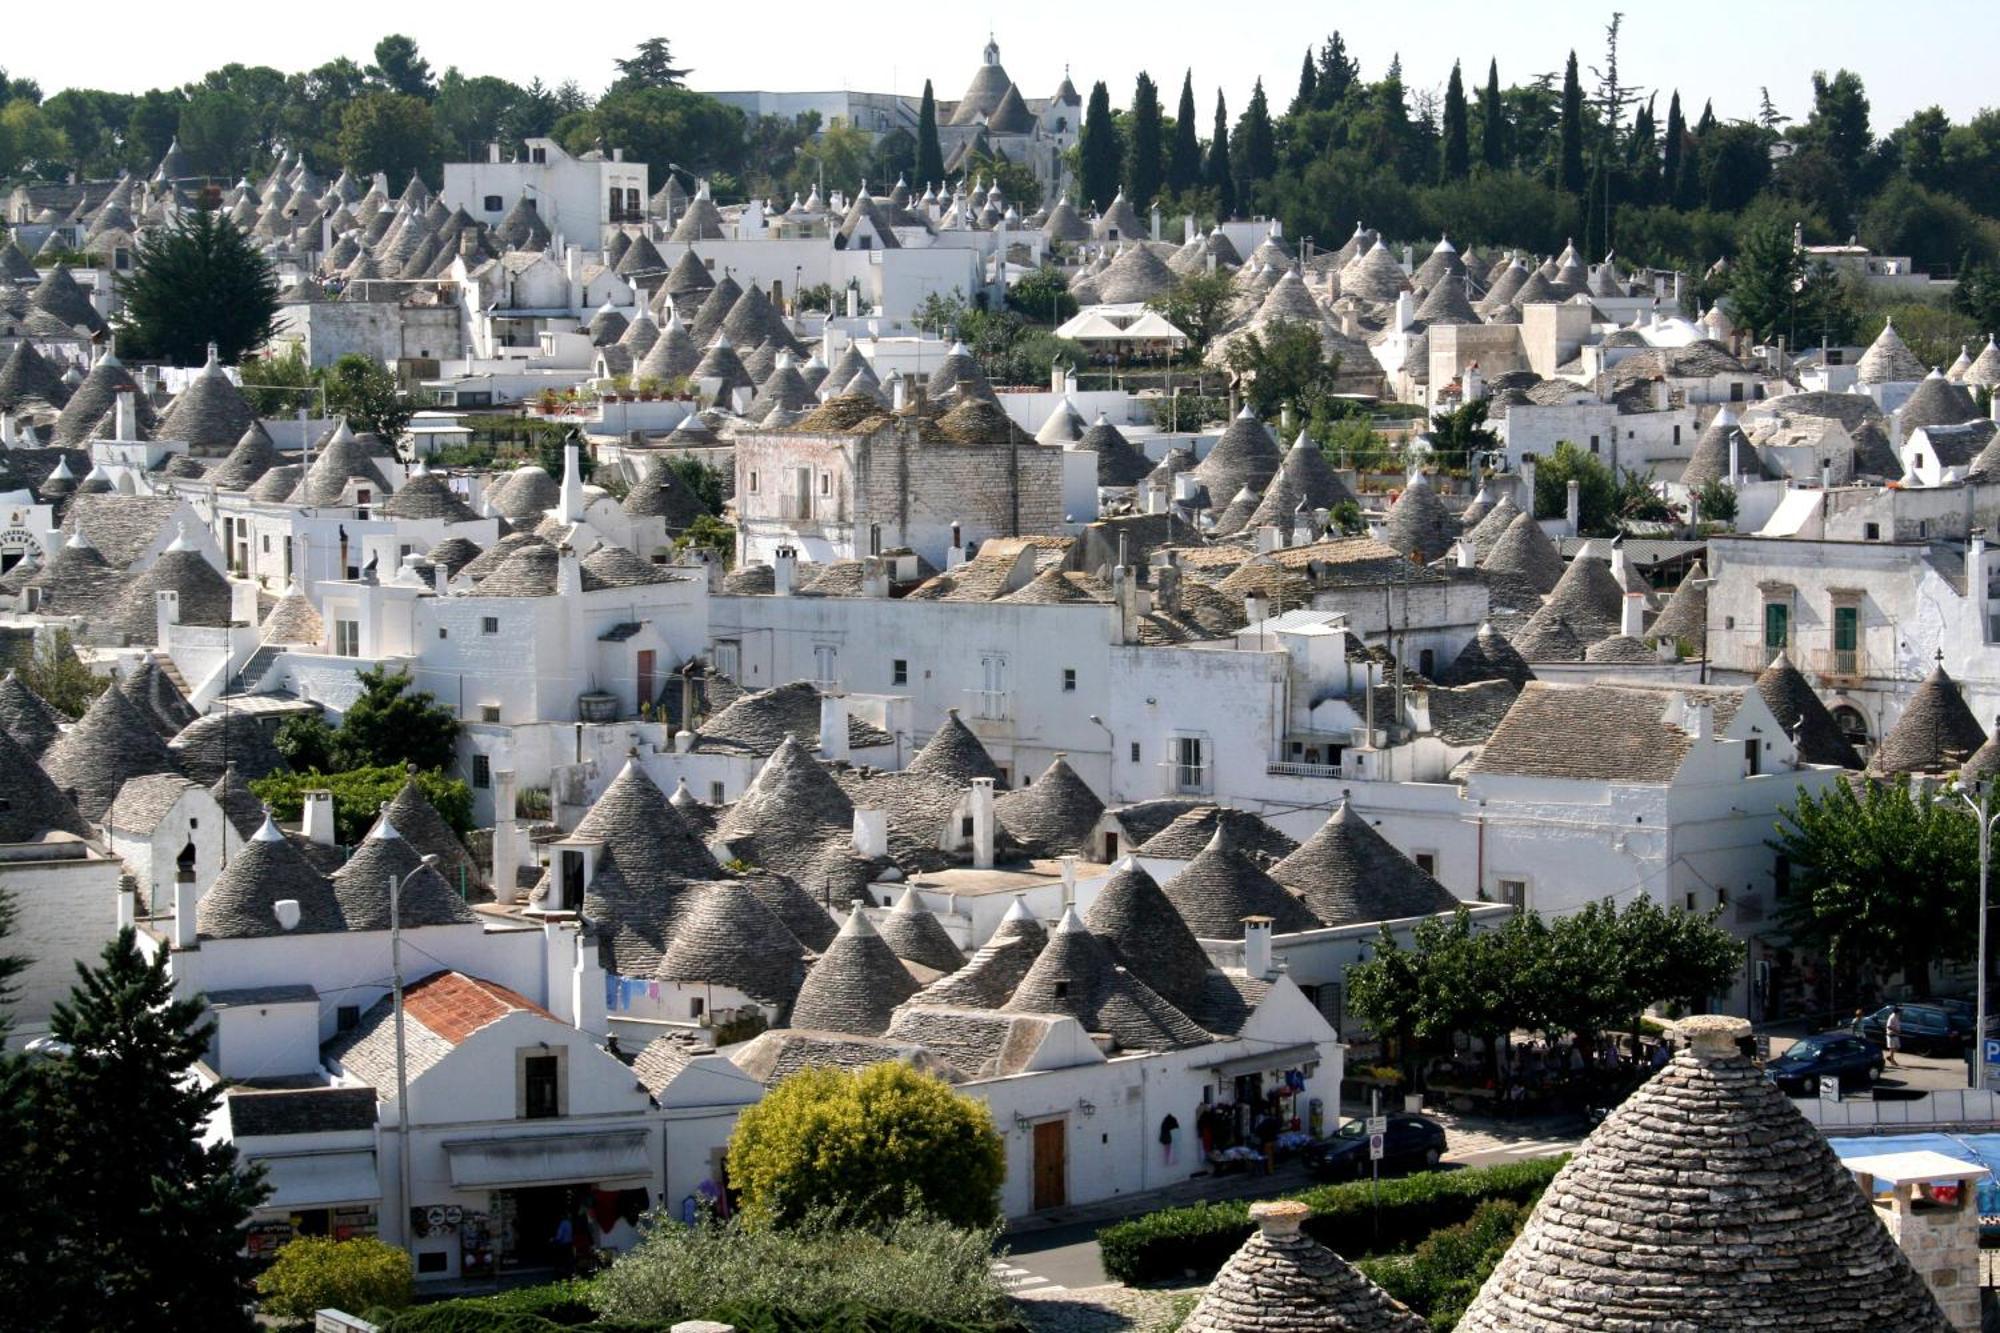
<point>1199,1239</point>
<point>918,1267</point>
<point>869,1147</point>
<point>1441,1276</point>
<point>55,672</point>
<point>314,1273</point>
<point>358,795</point>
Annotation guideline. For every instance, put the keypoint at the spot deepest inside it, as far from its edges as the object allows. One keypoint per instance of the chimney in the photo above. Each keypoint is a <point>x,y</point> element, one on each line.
<point>1068,864</point>
<point>1256,607</point>
<point>1268,538</point>
<point>1699,719</point>
<point>1573,507</point>
<point>127,406</point>
<point>1350,323</point>
<point>166,613</point>
<point>833,727</point>
<point>982,823</point>
<point>128,904</point>
<point>784,570</point>
<point>1156,222</point>
<point>587,1000</point>
<point>1417,708</point>
<point>493,151</point>
<point>1465,552</point>
<point>318,816</point>
<point>1185,484</point>
<point>1405,312</point>
<point>1938,1233</point>
<point>1632,616</point>
<point>875,577</point>
<point>1735,458</point>
<point>853,302</point>
<point>506,860</point>
<point>570,507</point>
<point>186,934</point>
<point>1826,474</point>
<point>1473,383</point>
<point>1257,947</point>
<point>569,573</point>
<point>871,834</point>
<point>899,391</point>
<point>1975,565</point>
<point>1527,497</point>
<point>1167,589</point>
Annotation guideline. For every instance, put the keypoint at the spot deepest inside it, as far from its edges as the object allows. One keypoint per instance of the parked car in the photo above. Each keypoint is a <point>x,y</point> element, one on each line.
<point>1830,1055</point>
<point>1928,1029</point>
<point>1412,1142</point>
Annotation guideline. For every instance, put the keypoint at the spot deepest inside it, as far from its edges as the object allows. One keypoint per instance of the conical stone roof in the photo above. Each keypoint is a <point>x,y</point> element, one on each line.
<point>26,716</point>
<point>27,377</point>
<point>1246,457</point>
<point>1586,601</point>
<point>1524,560</point>
<point>1222,885</point>
<point>31,805</point>
<point>1705,1201</point>
<point>211,414</point>
<point>856,984</point>
<point>1684,619</point>
<point>724,936</point>
<point>362,885</point>
<point>1053,816</point>
<point>1936,733</point>
<point>1119,461</point>
<point>253,455</point>
<point>1282,1279</point>
<point>915,935</point>
<point>954,755</point>
<point>110,744</point>
<point>98,395</point>
<point>1148,935</point>
<point>156,696</point>
<point>1348,873</point>
<point>1486,530</point>
<point>1076,974</point>
<point>1889,359</point>
<point>1487,655</point>
<point>266,870</point>
<point>1418,524</point>
<point>1803,717</point>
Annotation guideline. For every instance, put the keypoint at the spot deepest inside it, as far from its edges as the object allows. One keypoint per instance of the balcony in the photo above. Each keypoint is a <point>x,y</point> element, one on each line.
<point>1187,779</point>
<point>1838,666</point>
<point>992,705</point>
<point>1295,770</point>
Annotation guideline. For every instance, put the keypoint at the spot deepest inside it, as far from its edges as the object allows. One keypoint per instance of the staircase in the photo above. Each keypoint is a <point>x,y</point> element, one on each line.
<point>255,668</point>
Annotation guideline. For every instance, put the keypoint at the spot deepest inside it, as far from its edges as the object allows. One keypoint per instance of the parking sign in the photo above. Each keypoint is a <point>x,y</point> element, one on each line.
<point>1374,1147</point>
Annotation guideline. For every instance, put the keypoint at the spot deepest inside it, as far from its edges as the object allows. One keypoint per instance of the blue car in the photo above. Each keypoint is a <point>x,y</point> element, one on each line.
<point>1830,1055</point>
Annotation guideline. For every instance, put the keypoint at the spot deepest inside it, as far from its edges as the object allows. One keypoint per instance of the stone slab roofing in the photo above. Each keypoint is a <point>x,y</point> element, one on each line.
<point>1600,732</point>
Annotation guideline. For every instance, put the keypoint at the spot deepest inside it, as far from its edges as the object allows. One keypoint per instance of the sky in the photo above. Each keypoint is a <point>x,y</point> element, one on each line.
<point>1707,48</point>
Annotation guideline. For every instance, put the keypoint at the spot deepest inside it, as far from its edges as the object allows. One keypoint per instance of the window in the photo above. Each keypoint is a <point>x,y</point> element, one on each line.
<point>1593,444</point>
<point>494,204</point>
<point>1750,758</point>
<point>753,482</point>
<point>489,712</point>
<point>1069,680</point>
<point>1427,662</point>
<point>1736,391</point>
<point>489,624</point>
<point>346,638</point>
<point>1514,892</point>
<point>826,483</point>
<point>443,633</point>
<point>715,793</point>
<point>433,1261</point>
<point>482,771</point>
<point>1135,752</point>
<point>1426,862</point>
<point>694,1006</point>
<point>1777,626</point>
<point>899,672</point>
<point>874,539</point>
<point>267,543</point>
<point>1781,876</point>
<point>823,659</point>
<point>1189,772</point>
<point>346,1018</point>
<point>1847,640</point>
<point>542,1086</point>
<point>1871,531</point>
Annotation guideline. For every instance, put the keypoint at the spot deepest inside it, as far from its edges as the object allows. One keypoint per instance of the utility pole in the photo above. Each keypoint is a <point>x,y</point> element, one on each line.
<point>402,1067</point>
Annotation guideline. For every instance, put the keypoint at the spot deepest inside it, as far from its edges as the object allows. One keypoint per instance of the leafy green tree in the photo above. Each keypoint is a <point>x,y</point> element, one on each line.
<point>270,383</point>
<point>1144,158</point>
<point>1735,163</point>
<point>1570,174</point>
<point>1597,489</point>
<point>361,389</point>
<point>1881,879</point>
<point>1042,296</point>
<point>871,1146</point>
<point>1773,291</point>
<point>660,124</point>
<point>1715,501</point>
<point>194,282</point>
<point>55,672</point>
<point>390,723</point>
<point>359,794</point>
<point>469,113</point>
<point>1184,159</point>
<point>1461,435</point>
<point>388,132</point>
<point>1457,131</point>
<point>703,480</point>
<point>1338,72</point>
<point>710,533</point>
<point>1935,229</point>
<point>930,154</point>
<point>314,1273</point>
<point>1098,151</point>
<point>1216,173</point>
<point>651,66</point>
<point>30,142</point>
<point>217,132</point>
<point>155,119</point>
<point>1919,142</point>
<point>1282,365</point>
<point>399,68</point>
<point>149,1235</point>
<point>1198,305</point>
<point>1492,121</point>
<point>1386,992</point>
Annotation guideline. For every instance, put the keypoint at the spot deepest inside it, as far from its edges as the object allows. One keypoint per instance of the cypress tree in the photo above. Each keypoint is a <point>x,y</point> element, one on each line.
<point>1097,150</point>
<point>1256,157</point>
<point>194,282</point>
<point>1219,177</point>
<point>1308,86</point>
<point>1570,171</point>
<point>1184,163</point>
<point>1336,73</point>
<point>1670,176</point>
<point>150,1230</point>
<point>1493,130</point>
<point>1142,155</point>
<point>1457,148</point>
<point>930,154</point>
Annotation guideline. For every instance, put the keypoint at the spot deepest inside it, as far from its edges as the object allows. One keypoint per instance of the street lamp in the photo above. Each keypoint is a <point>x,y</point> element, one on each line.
<point>402,1068</point>
<point>1987,818</point>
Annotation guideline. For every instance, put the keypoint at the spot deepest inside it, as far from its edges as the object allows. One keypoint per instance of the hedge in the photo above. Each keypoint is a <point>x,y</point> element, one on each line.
<point>1177,1243</point>
<point>559,1307</point>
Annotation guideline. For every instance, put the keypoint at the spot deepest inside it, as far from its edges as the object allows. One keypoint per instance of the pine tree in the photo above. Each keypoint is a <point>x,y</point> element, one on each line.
<point>1218,176</point>
<point>1098,154</point>
<point>1457,149</point>
<point>1337,73</point>
<point>1308,86</point>
<point>1143,153</point>
<point>930,154</point>
<point>1570,176</point>
<point>1256,156</point>
<point>1493,117</point>
<point>1642,153</point>
<point>1673,157</point>
<point>142,1232</point>
<point>1184,162</point>
<point>194,282</point>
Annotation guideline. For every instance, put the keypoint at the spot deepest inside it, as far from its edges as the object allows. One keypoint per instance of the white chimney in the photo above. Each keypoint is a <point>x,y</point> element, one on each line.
<point>1699,719</point>
<point>166,612</point>
<point>1417,708</point>
<point>128,904</point>
<point>1573,507</point>
<point>186,934</point>
<point>1257,947</point>
<point>318,817</point>
<point>871,834</point>
<point>833,727</point>
<point>982,823</point>
<point>1975,565</point>
<point>570,506</point>
<point>1069,878</point>
<point>126,404</point>
<point>784,570</point>
<point>1465,553</point>
<point>1735,458</point>
<point>587,985</point>
<point>1268,538</point>
<point>1406,311</point>
<point>1526,499</point>
<point>506,860</point>
<point>1256,607</point>
<point>899,391</point>
<point>1632,616</point>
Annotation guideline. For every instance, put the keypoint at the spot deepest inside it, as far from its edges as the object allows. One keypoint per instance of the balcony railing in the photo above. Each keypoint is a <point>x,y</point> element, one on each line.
<point>1187,779</point>
<point>1839,664</point>
<point>992,705</point>
<point>1298,770</point>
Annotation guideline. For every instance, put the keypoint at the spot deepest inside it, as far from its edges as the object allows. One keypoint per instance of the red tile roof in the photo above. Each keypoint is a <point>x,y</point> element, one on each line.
<point>455,1006</point>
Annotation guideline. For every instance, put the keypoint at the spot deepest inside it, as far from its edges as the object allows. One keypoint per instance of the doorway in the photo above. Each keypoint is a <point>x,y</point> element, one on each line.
<point>646,689</point>
<point>1051,1164</point>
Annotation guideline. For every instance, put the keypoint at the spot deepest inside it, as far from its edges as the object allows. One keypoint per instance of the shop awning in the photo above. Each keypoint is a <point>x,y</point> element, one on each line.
<point>1282,1057</point>
<point>320,1180</point>
<point>605,1158</point>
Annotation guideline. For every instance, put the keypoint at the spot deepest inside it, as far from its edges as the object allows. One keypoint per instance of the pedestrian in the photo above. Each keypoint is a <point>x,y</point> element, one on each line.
<point>1892,1034</point>
<point>1855,1026</point>
<point>1168,1128</point>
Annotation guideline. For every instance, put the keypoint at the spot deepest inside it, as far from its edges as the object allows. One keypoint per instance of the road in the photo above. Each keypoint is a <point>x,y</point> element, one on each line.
<point>1066,1256</point>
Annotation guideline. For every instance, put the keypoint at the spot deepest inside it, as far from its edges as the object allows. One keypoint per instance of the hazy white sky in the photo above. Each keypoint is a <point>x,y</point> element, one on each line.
<point>1937,51</point>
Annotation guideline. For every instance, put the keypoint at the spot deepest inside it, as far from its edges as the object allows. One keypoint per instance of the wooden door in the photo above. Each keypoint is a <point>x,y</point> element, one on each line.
<point>647,687</point>
<point>1051,1164</point>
